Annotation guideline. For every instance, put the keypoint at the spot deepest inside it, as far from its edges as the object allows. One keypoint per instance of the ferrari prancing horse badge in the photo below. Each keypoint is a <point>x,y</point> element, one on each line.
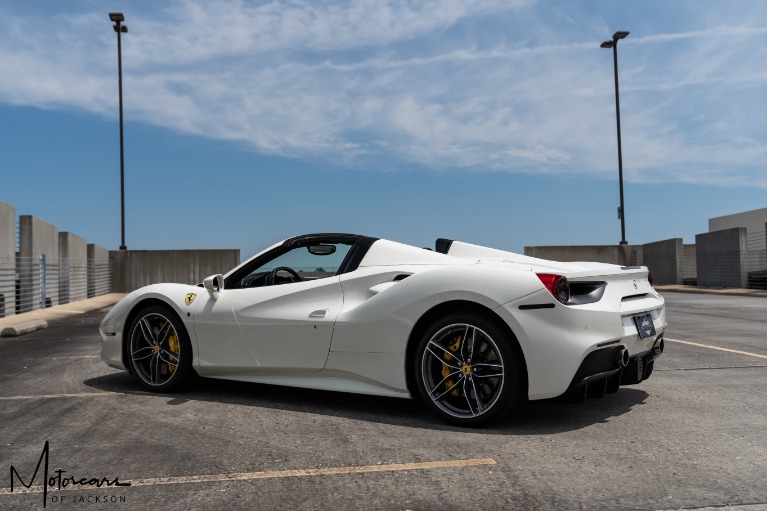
<point>190,298</point>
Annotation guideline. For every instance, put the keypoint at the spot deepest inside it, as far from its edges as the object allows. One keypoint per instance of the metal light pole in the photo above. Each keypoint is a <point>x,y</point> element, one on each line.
<point>614,45</point>
<point>118,18</point>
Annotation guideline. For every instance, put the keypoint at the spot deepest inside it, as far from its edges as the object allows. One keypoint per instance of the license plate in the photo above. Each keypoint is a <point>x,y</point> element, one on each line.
<point>644,325</point>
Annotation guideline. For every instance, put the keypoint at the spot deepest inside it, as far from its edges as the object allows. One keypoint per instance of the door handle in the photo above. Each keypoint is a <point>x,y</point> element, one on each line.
<point>318,313</point>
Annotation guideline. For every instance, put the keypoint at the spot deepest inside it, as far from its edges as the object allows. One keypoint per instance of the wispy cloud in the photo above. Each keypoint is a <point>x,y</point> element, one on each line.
<point>483,86</point>
<point>723,31</point>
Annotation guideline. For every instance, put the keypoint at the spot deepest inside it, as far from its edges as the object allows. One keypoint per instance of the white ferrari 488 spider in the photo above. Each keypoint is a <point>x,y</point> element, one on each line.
<point>472,331</point>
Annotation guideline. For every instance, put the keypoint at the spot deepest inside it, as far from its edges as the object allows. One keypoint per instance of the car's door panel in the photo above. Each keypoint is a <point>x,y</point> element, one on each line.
<point>281,328</point>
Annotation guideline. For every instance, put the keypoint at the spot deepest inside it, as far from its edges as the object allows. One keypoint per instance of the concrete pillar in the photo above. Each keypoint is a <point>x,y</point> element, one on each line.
<point>665,259</point>
<point>722,258</point>
<point>7,259</point>
<point>99,274</point>
<point>757,278</point>
<point>37,237</point>
<point>73,268</point>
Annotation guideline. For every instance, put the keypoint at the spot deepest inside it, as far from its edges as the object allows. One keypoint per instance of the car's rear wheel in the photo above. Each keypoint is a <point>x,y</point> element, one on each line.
<point>469,370</point>
<point>159,350</point>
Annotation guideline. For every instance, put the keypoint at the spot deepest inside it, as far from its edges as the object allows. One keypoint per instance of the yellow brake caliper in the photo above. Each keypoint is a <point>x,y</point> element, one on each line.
<point>446,370</point>
<point>173,344</point>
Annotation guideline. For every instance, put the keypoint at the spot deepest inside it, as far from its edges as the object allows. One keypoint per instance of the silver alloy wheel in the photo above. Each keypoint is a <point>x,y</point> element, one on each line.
<point>155,349</point>
<point>463,371</point>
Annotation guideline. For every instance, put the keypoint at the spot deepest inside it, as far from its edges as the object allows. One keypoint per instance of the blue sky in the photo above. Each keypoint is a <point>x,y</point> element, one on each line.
<point>488,121</point>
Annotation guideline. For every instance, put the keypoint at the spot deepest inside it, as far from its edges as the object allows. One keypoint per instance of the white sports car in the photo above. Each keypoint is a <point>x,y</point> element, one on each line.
<point>472,331</point>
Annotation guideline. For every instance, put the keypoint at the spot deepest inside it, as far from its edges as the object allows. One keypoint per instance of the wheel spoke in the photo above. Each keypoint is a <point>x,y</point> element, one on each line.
<point>467,348</point>
<point>162,336</point>
<point>146,329</point>
<point>490,365</point>
<point>153,370</point>
<point>460,362</point>
<point>464,349</point>
<point>499,375</point>
<point>473,340</point>
<point>437,386</point>
<point>451,388</point>
<point>174,364</point>
<point>466,395</point>
<point>170,355</point>
<point>442,360</point>
<point>151,352</point>
<point>477,397</point>
<point>489,370</point>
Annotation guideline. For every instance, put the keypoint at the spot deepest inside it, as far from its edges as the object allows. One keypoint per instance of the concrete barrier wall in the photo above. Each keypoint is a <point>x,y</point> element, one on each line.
<point>722,258</point>
<point>665,259</point>
<point>7,259</point>
<point>613,254</point>
<point>73,269</point>
<point>99,270</point>
<point>137,268</point>
<point>37,237</point>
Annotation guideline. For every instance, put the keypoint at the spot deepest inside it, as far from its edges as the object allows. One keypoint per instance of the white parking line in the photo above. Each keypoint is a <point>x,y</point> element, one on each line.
<point>717,348</point>
<point>76,356</point>
<point>60,358</point>
<point>272,474</point>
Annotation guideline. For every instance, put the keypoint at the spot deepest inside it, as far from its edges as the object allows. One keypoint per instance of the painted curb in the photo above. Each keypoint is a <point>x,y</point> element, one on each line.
<point>23,328</point>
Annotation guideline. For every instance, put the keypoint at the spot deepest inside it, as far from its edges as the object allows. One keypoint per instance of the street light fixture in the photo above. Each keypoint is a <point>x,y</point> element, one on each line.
<point>621,34</point>
<point>118,18</point>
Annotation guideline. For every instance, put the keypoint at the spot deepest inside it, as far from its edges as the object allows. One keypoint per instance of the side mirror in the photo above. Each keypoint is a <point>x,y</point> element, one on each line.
<point>215,285</point>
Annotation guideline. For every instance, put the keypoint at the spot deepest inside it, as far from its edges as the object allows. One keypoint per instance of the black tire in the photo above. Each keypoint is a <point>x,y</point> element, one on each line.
<point>158,349</point>
<point>464,355</point>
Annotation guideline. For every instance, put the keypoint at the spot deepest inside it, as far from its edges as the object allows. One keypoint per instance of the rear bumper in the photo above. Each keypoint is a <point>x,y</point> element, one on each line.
<point>558,341</point>
<point>603,371</point>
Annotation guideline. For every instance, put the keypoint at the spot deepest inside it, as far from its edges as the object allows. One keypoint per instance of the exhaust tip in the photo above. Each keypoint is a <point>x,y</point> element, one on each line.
<point>622,357</point>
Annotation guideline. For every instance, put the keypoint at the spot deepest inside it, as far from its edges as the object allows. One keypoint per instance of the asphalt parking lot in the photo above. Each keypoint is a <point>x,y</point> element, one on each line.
<point>692,436</point>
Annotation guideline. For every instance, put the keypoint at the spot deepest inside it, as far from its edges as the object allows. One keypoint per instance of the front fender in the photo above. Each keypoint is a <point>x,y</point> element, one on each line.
<point>116,321</point>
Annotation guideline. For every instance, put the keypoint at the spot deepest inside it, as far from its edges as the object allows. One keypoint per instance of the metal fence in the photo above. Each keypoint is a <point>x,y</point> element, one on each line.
<point>28,283</point>
<point>7,285</point>
<point>100,278</point>
<point>756,260</point>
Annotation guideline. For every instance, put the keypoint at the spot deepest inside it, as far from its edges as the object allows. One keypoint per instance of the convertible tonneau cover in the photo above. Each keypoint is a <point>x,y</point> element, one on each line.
<point>576,269</point>
<point>469,251</point>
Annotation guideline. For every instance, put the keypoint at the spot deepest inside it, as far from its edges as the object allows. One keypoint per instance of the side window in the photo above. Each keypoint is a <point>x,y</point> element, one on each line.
<point>309,262</point>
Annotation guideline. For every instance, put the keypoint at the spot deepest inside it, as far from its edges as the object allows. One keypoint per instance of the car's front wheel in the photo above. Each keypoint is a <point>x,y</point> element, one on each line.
<point>159,350</point>
<point>469,370</point>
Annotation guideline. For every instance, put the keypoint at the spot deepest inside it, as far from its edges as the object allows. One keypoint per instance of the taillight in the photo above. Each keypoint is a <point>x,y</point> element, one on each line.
<point>557,286</point>
<point>649,278</point>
